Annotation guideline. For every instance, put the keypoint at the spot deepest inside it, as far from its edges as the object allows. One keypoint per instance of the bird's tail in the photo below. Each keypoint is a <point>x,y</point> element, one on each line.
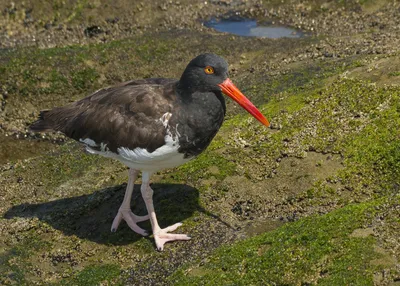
<point>41,124</point>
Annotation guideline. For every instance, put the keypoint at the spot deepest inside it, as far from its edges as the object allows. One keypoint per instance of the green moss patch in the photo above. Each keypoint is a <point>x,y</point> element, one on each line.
<point>95,275</point>
<point>317,249</point>
<point>15,263</point>
<point>206,165</point>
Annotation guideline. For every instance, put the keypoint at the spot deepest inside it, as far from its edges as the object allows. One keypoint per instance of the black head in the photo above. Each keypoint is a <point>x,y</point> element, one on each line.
<point>209,73</point>
<point>204,73</point>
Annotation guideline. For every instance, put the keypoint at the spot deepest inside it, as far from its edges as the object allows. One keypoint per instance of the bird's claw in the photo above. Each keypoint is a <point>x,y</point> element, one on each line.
<point>162,236</point>
<point>131,219</point>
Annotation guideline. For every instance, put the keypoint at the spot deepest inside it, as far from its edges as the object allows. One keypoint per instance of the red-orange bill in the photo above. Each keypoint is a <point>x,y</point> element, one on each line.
<point>233,92</point>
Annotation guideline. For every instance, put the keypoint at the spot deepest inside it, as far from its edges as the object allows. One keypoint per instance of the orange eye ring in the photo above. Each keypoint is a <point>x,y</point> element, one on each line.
<point>209,70</point>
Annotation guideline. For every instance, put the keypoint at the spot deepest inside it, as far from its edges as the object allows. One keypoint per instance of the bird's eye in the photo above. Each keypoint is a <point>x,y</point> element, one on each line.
<point>209,70</point>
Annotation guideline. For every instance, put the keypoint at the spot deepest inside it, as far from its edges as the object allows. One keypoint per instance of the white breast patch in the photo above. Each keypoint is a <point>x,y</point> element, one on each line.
<point>166,156</point>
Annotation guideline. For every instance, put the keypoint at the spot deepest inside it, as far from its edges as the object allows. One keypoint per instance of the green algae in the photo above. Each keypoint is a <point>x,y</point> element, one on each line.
<point>200,167</point>
<point>95,275</point>
<point>397,73</point>
<point>317,249</point>
<point>16,263</point>
<point>68,162</point>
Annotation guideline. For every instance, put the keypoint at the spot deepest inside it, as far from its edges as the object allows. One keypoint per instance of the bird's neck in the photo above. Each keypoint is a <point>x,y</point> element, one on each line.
<point>201,115</point>
<point>190,96</point>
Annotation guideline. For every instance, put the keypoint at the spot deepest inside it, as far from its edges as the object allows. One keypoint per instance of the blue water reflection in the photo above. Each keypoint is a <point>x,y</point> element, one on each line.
<point>250,28</point>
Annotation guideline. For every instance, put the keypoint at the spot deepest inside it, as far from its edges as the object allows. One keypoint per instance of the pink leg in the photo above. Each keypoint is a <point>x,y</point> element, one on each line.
<point>161,236</point>
<point>125,212</point>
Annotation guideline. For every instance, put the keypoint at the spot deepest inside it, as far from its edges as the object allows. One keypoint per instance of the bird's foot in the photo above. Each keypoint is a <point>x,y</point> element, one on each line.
<point>131,219</point>
<point>162,236</point>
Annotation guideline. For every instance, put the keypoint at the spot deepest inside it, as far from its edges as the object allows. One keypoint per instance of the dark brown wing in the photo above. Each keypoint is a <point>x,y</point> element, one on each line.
<point>126,115</point>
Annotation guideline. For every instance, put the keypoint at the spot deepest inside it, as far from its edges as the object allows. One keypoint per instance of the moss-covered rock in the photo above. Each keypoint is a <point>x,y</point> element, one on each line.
<point>314,200</point>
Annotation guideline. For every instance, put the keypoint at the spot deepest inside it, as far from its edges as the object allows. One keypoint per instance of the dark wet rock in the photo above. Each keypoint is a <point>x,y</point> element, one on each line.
<point>10,10</point>
<point>93,31</point>
<point>48,26</point>
<point>227,2</point>
<point>112,20</point>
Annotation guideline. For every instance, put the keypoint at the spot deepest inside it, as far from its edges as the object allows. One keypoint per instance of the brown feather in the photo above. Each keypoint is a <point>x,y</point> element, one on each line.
<point>126,115</point>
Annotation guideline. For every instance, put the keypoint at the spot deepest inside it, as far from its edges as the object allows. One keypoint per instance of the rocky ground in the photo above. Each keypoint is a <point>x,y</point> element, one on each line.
<point>313,200</point>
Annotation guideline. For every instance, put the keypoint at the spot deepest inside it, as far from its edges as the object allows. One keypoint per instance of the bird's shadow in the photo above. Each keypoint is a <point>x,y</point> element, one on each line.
<point>90,216</point>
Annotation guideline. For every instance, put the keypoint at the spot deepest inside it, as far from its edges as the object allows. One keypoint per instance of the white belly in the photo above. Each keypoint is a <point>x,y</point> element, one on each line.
<point>166,156</point>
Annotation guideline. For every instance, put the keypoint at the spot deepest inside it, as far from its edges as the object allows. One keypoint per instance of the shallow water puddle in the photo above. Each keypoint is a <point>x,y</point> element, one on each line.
<point>12,149</point>
<point>250,28</point>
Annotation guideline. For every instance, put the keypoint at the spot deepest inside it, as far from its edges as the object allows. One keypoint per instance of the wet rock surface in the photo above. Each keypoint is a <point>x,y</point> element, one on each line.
<point>333,102</point>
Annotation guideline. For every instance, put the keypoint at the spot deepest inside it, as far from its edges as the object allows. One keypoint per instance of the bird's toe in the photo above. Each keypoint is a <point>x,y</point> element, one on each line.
<point>131,219</point>
<point>162,236</point>
<point>172,227</point>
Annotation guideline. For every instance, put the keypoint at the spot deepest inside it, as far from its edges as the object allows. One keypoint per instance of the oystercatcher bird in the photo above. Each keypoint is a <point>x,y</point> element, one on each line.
<point>149,125</point>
